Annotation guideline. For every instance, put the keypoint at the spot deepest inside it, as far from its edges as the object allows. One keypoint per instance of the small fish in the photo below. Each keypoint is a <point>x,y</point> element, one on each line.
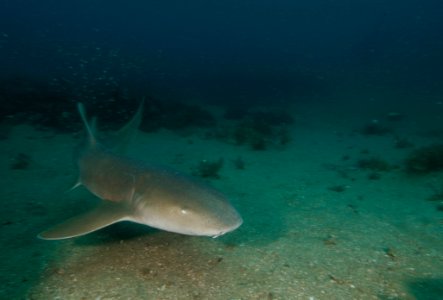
<point>131,190</point>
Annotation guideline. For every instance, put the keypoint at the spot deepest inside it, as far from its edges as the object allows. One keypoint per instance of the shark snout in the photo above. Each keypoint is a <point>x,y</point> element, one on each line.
<point>229,221</point>
<point>230,227</point>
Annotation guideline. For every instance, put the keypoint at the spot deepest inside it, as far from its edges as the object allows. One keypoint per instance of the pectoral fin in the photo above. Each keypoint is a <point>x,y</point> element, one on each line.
<point>106,213</point>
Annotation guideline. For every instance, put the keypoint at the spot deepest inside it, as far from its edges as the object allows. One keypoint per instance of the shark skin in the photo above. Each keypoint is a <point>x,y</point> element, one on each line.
<point>135,191</point>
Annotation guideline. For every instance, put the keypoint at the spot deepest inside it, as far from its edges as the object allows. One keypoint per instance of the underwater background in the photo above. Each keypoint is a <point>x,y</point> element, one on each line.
<point>321,120</point>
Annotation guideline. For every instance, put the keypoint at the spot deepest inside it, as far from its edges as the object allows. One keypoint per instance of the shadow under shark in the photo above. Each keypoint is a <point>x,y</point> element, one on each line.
<point>134,191</point>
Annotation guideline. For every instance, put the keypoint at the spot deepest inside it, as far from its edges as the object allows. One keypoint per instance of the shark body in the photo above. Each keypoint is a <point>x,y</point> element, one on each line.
<point>131,190</point>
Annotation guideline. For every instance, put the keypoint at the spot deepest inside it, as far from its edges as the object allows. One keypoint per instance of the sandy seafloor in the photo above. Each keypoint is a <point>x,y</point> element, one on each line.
<point>377,239</point>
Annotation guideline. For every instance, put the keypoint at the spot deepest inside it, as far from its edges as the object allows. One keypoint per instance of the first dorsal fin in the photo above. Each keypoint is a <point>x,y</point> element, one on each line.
<point>116,141</point>
<point>119,140</point>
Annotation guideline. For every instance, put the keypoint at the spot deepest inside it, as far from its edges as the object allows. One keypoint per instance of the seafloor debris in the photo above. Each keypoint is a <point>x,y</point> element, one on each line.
<point>239,163</point>
<point>209,168</point>
<point>375,128</point>
<point>339,188</point>
<point>425,159</point>
<point>373,164</point>
<point>21,161</point>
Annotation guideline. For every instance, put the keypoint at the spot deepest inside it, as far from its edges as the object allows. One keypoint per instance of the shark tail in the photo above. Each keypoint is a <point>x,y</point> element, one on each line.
<point>119,140</point>
<point>89,129</point>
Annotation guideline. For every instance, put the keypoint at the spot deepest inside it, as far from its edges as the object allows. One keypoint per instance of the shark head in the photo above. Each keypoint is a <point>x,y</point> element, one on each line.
<point>186,207</point>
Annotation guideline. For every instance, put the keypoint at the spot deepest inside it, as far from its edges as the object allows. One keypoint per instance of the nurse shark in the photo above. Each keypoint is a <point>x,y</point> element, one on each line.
<point>131,190</point>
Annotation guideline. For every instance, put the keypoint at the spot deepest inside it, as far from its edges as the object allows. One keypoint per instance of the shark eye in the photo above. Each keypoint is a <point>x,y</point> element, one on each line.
<point>184,210</point>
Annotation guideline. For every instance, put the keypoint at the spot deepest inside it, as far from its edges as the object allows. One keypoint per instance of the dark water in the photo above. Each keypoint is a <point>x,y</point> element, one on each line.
<point>370,57</point>
<point>226,51</point>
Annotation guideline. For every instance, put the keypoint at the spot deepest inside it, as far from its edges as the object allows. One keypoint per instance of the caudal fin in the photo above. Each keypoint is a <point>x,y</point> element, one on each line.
<point>117,141</point>
<point>91,137</point>
<point>105,214</point>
